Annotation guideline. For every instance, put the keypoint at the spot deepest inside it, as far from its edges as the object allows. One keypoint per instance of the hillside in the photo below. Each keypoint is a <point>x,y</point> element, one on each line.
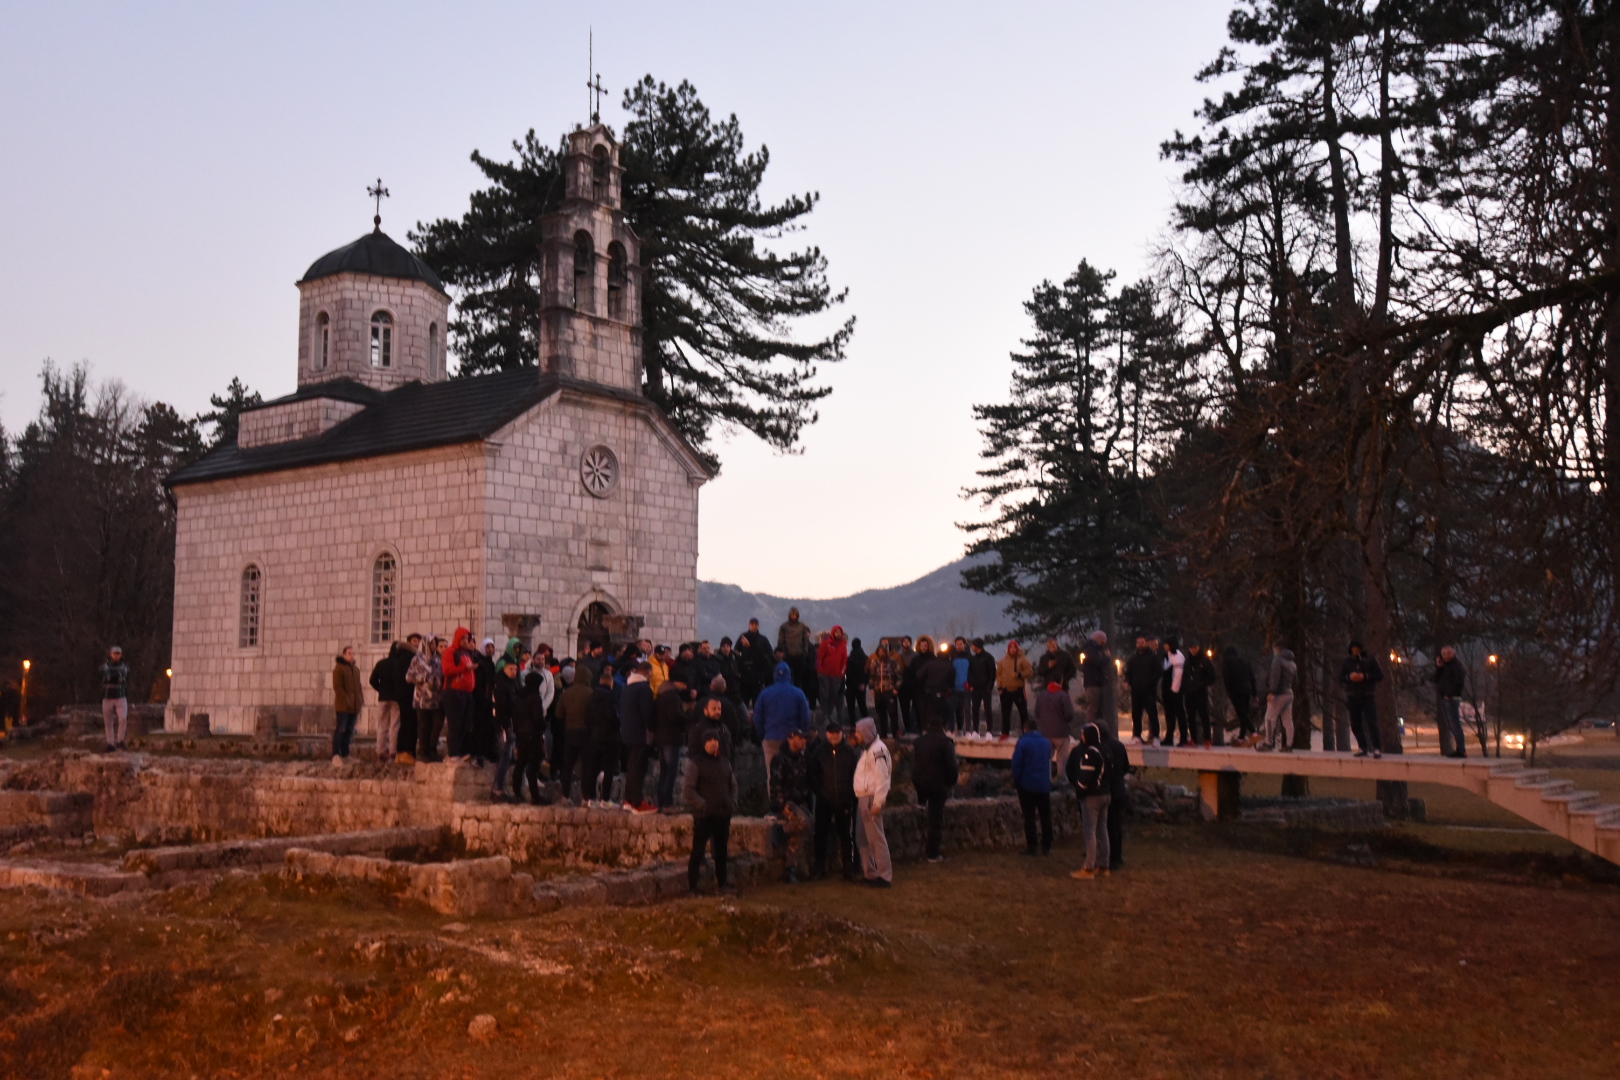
<point>933,604</point>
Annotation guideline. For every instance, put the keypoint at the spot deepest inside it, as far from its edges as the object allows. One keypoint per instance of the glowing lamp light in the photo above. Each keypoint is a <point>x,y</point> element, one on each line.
<point>1210,653</point>
<point>168,673</point>
<point>1491,659</point>
<point>1082,658</point>
<point>27,664</point>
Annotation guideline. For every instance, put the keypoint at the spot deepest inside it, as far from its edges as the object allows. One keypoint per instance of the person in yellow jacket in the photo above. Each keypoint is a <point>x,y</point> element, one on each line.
<point>1012,671</point>
<point>660,668</point>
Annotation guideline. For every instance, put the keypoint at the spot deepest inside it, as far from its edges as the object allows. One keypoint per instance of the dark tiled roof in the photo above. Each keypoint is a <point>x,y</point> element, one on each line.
<point>338,389</point>
<point>374,253</point>
<point>414,417</point>
<point>417,416</point>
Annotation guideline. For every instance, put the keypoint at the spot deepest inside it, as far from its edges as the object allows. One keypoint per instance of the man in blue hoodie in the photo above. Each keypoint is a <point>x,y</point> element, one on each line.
<point>780,709</point>
<point>1032,776</point>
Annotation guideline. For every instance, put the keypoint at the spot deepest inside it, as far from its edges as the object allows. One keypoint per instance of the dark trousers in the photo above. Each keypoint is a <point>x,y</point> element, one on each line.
<point>1175,716</point>
<point>559,745</point>
<point>835,823</point>
<point>635,773</point>
<point>669,767</point>
<point>1116,829</point>
<point>458,718</point>
<point>1036,804</point>
<point>750,689</point>
<point>1140,704</point>
<point>599,758</point>
<point>959,709</point>
<point>934,803</point>
<point>405,742</point>
<point>855,701</point>
<point>1198,717</point>
<point>573,757</point>
<point>1364,722</point>
<point>981,700</point>
<point>1241,709</point>
<point>530,750</point>
<point>481,742</point>
<point>343,733</point>
<point>1449,716</point>
<point>931,705</point>
<point>1010,700</point>
<point>885,711</point>
<point>907,700</point>
<point>429,722</point>
<point>713,833</point>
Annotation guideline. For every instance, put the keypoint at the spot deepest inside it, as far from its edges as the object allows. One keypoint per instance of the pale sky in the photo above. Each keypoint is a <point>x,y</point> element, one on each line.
<point>168,171</point>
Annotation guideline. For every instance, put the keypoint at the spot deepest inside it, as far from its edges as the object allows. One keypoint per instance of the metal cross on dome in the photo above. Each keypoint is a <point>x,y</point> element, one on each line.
<point>379,193</point>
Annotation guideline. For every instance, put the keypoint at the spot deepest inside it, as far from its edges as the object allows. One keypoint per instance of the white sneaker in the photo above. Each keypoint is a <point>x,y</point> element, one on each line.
<point>1136,740</point>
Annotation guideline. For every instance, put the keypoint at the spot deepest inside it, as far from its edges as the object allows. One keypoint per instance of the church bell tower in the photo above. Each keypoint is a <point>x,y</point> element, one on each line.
<point>590,279</point>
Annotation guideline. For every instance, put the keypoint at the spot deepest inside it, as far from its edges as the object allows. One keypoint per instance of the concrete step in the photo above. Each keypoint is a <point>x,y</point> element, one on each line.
<point>1599,813</point>
<point>1545,788</point>
<point>1574,800</point>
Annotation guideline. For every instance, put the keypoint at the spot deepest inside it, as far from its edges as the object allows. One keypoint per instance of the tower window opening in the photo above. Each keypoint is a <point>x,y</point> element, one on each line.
<point>584,271</point>
<point>618,279</point>
<point>323,340</point>
<point>382,340</point>
<point>599,174</point>
<point>384,593</point>
<point>247,621</point>
<point>433,348</point>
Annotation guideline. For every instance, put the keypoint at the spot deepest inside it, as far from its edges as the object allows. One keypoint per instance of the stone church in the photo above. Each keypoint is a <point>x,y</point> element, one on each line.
<point>382,497</point>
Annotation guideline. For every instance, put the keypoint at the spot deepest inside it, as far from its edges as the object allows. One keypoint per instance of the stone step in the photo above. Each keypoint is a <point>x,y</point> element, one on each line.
<point>1574,800</point>
<point>1599,813</point>
<point>1544,788</point>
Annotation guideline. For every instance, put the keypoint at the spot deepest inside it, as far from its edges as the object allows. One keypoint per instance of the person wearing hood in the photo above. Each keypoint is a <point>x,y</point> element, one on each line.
<point>831,772</point>
<point>1013,673</point>
<point>832,661</point>
<point>798,650</point>
<point>855,682</point>
<point>637,718</point>
<point>1054,715</point>
<point>873,772</point>
<point>529,730</point>
<point>1032,779</point>
<point>347,702</point>
<point>1238,678</point>
<point>503,695</point>
<point>780,708</point>
<point>426,677</point>
<point>1087,770</point>
<point>1280,701</point>
<point>460,678</point>
<point>1360,676</point>
<point>934,772</point>
<point>1142,674</point>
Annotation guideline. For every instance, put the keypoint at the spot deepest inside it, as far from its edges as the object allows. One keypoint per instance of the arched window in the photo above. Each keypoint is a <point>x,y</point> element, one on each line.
<point>384,594</point>
<point>433,349</point>
<point>247,618</point>
<point>584,271</point>
<point>323,341</point>
<point>618,279</point>
<point>382,340</point>
<point>599,174</point>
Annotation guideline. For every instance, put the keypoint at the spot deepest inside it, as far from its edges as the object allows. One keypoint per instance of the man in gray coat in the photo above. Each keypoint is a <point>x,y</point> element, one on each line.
<point>1280,701</point>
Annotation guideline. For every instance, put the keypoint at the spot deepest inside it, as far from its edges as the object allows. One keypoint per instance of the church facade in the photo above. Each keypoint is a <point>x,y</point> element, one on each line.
<point>554,503</point>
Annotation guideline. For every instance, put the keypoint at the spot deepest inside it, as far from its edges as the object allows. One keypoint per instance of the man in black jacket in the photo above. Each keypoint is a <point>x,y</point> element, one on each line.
<point>637,716</point>
<point>1119,763</point>
<point>601,757</point>
<point>1241,689</point>
<point>710,793</point>
<point>1055,665</point>
<point>755,662</point>
<point>669,733</point>
<point>790,800</point>
<point>1360,676</point>
<point>1142,674</point>
<point>1087,770</point>
<point>933,773</point>
<point>981,682</point>
<point>725,666</point>
<point>831,773</point>
<point>1450,680</point>
<point>1097,678</point>
<point>1196,679</point>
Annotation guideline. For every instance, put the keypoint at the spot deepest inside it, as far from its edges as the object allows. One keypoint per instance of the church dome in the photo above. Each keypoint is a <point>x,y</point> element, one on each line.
<point>377,254</point>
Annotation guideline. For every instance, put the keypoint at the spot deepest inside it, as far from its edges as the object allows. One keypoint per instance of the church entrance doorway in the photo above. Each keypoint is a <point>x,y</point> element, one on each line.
<point>599,623</point>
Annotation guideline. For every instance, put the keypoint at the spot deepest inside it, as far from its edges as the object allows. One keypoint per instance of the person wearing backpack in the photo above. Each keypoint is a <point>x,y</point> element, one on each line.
<point>1087,770</point>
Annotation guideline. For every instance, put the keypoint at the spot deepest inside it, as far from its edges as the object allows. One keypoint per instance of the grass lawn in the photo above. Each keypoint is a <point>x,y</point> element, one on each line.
<point>1218,954</point>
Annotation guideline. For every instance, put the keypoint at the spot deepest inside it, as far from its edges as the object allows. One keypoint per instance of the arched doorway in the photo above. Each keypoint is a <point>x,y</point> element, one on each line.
<point>593,627</point>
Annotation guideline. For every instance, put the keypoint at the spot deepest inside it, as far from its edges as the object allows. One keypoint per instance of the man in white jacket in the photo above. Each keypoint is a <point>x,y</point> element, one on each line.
<point>872,772</point>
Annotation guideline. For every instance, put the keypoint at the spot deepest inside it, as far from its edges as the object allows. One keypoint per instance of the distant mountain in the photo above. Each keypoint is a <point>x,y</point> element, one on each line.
<point>934,604</point>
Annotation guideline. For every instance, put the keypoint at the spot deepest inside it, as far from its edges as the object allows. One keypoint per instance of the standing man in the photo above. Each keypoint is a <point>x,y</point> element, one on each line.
<point>855,680</point>
<point>1240,690</point>
<point>1013,672</point>
<point>1175,711</point>
<point>1087,770</point>
<point>1055,666</point>
<point>710,792</point>
<point>790,800</point>
<point>388,680</point>
<point>346,702</point>
<point>1119,764</point>
<point>114,675</point>
<point>1450,681</point>
<point>883,674</point>
<point>934,772</point>
<point>601,759</point>
<point>1032,778</point>
<point>1142,674</point>
<point>1054,715</point>
<point>669,732</point>
<point>637,717</point>
<point>426,677</point>
<point>906,695</point>
<point>831,774</point>
<point>793,641</point>
<point>872,774</point>
<point>1197,678</point>
<point>1280,701</point>
<point>754,662</point>
<point>460,679</point>
<point>780,709</point>
<point>832,659</point>
<point>981,681</point>
<point>1360,676</point>
<point>1096,674</point>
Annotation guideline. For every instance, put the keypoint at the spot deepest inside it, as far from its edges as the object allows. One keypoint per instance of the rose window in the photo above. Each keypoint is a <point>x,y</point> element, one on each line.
<point>599,470</point>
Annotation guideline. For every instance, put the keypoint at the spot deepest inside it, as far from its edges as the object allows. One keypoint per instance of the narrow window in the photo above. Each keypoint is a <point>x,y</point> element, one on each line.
<point>382,340</point>
<point>433,348</point>
<point>323,340</point>
<point>618,279</point>
<point>383,596</point>
<point>247,622</point>
<point>599,174</point>
<point>584,271</point>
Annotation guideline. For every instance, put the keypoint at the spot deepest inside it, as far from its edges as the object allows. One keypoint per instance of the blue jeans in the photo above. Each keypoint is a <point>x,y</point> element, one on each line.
<point>669,766</point>
<point>1451,730</point>
<point>343,733</point>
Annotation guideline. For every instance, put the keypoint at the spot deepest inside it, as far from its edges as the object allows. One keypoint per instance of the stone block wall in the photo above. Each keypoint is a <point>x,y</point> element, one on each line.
<point>350,300</point>
<point>294,420</point>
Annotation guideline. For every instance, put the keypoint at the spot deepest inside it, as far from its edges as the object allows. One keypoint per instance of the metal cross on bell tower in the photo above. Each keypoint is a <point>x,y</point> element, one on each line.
<point>593,82</point>
<point>379,193</point>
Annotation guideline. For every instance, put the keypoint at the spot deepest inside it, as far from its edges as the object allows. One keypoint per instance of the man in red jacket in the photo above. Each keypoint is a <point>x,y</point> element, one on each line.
<point>460,678</point>
<point>832,658</point>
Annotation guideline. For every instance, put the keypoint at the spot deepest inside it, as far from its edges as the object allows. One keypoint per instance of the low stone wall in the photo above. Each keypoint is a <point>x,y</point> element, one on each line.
<point>1329,815</point>
<point>464,887</point>
<point>55,813</point>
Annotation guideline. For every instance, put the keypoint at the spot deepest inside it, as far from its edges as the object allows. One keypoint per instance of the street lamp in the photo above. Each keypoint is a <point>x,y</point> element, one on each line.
<point>22,705</point>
